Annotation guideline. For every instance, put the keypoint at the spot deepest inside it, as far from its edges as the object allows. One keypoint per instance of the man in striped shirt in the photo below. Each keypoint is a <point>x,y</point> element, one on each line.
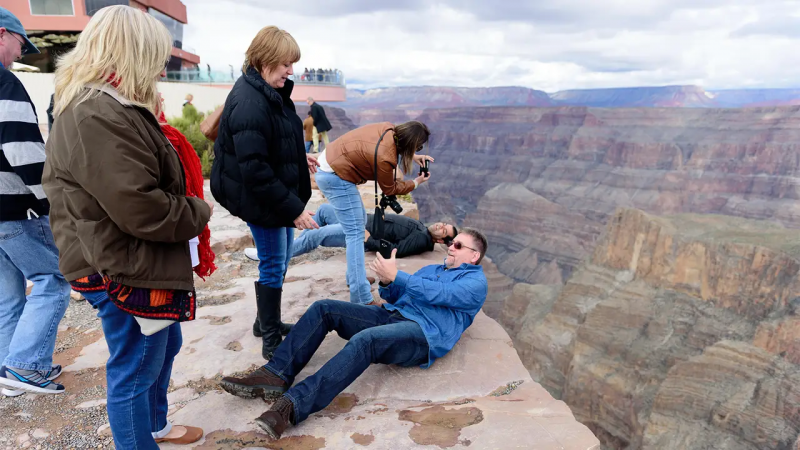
<point>28,325</point>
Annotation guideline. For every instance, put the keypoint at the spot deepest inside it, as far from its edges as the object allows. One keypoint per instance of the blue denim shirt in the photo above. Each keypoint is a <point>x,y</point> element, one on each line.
<point>442,301</point>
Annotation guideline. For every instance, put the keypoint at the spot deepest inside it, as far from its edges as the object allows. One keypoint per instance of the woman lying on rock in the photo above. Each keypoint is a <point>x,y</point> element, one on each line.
<point>420,319</point>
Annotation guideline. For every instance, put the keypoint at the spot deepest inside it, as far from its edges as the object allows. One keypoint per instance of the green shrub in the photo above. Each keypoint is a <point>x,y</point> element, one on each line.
<point>190,113</point>
<point>189,125</point>
<point>206,160</point>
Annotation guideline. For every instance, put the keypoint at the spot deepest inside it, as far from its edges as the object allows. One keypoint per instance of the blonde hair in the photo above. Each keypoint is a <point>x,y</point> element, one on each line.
<point>126,42</point>
<point>270,47</point>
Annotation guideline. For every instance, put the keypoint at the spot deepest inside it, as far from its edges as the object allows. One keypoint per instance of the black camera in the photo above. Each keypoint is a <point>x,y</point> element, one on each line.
<point>385,248</point>
<point>391,201</point>
<point>424,168</point>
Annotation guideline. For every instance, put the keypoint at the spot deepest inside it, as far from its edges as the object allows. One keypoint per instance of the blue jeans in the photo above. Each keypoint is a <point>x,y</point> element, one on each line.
<point>137,374</point>
<point>346,201</point>
<point>274,246</point>
<point>374,335</point>
<point>28,326</point>
<point>329,234</point>
<point>308,146</point>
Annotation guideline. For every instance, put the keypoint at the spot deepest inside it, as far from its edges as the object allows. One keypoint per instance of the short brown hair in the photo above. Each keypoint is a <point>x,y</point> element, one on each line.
<point>480,241</point>
<point>270,47</point>
<point>409,138</point>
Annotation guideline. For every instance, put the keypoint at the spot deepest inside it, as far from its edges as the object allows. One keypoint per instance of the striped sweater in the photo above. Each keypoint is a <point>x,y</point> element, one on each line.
<point>21,153</point>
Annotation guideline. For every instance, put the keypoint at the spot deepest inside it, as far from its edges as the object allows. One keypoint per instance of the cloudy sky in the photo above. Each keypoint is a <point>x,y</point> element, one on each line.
<point>542,44</point>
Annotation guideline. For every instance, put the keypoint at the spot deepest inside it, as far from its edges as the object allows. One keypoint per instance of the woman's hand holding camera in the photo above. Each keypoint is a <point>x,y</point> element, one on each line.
<point>422,178</point>
<point>305,221</point>
<point>420,159</point>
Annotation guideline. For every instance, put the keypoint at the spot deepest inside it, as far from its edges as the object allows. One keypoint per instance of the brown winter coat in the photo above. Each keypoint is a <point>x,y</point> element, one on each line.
<point>308,127</point>
<point>352,158</point>
<point>117,194</point>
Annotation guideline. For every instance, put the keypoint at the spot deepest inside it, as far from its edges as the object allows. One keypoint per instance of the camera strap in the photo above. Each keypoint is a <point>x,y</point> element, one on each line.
<point>378,219</point>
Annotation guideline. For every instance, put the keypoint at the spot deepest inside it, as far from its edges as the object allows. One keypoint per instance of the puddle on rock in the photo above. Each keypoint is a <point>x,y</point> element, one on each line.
<point>362,439</point>
<point>233,440</point>
<point>440,426</point>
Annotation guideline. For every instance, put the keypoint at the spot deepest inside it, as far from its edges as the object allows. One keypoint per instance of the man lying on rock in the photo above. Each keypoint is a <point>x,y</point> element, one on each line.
<point>418,319</point>
<point>408,236</point>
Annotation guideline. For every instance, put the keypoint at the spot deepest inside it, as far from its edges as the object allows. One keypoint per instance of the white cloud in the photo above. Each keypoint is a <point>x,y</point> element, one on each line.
<point>543,44</point>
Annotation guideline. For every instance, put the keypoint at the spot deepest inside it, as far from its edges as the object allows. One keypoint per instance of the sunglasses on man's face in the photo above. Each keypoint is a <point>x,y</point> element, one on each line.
<point>459,245</point>
<point>22,47</point>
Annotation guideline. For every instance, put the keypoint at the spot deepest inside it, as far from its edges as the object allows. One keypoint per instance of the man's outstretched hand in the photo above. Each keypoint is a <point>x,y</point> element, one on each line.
<point>385,269</point>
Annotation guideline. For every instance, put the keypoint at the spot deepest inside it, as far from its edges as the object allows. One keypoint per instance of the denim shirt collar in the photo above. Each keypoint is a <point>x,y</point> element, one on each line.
<point>463,266</point>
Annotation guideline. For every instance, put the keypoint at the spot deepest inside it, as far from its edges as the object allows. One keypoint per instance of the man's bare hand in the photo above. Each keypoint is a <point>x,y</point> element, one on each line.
<point>377,302</point>
<point>385,269</point>
<point>366,236</point>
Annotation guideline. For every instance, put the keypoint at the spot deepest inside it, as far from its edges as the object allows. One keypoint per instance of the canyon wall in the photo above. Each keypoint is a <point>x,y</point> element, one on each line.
<point>678,332</point>
<point>542,182</point>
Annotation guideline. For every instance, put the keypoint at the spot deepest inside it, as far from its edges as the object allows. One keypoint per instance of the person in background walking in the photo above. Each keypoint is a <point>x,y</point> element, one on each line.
<point>308,129</point>
<point>123,217</point>
<point>27,249</point>
<point>261,173</point>
<point>321,124</point>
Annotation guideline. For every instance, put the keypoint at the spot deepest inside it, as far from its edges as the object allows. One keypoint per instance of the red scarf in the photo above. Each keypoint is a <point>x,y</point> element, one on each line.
<point>194,188</point>
<point>193,173</point>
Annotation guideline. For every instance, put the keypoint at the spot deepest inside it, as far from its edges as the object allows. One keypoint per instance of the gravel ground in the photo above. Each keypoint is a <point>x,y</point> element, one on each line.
<point>53,421</point>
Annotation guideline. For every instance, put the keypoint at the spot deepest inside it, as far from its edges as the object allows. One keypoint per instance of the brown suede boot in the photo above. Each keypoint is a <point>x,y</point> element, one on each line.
<point>278,418</point>
<point>261,383</point>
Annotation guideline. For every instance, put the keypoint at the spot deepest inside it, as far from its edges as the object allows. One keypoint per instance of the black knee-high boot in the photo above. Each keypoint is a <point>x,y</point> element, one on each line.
<point>268,300</point>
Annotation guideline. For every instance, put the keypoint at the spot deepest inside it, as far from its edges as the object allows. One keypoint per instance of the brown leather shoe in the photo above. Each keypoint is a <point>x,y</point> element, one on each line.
<point>278,418</point>
<point>192,435</point>
<point>260,383</point>
<point>370,280</point>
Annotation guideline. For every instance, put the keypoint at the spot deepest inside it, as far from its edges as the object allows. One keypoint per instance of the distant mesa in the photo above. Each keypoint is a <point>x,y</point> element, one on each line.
<point>397,104</point>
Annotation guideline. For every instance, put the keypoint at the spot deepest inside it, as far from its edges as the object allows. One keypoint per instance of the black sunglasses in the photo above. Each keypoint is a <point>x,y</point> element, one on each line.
<point>458,245</point>
<point>22,45</point>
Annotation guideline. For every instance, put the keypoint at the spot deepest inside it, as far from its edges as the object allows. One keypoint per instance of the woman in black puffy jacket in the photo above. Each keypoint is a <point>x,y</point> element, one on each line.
<point>261,170</point>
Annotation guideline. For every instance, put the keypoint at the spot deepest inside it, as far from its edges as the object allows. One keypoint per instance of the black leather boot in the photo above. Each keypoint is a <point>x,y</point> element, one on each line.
<point>268,301</point>
<point>285,328</point>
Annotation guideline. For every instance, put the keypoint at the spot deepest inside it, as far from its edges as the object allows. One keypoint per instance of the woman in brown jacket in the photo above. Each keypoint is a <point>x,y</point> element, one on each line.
<point>120,215</point>
<point>350,160</point>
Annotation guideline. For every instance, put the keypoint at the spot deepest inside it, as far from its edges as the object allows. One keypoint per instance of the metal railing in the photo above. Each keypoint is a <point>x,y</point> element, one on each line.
<point>230,76</point>
<point>333,78</point>
<point>202,76</point>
